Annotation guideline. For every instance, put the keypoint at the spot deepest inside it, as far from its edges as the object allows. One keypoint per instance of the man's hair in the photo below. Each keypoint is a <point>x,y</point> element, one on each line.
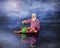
<point>34,14</point>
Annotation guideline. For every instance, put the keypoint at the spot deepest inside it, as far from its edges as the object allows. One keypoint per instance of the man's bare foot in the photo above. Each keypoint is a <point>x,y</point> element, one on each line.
<point>35,31</point>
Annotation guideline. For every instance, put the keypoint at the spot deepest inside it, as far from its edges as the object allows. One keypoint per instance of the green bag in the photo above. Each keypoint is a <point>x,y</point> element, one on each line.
<point>24,36</point>
<point>24,29</point>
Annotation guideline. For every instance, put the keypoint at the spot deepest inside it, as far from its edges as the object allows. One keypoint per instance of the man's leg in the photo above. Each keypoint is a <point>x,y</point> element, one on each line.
<point>32,29</point>
<point>18,31</point>
<point>35,30</point>
<point>29,30</point>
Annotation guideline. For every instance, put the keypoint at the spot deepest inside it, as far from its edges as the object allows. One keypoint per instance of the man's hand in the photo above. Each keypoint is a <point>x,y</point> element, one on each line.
<point>23,22</point>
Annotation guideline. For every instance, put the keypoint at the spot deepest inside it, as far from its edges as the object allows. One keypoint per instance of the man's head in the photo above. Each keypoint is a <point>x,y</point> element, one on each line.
<point>33,16</point>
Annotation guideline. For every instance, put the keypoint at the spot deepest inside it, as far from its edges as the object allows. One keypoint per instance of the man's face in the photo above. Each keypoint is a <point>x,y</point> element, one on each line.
<point>33,17</point>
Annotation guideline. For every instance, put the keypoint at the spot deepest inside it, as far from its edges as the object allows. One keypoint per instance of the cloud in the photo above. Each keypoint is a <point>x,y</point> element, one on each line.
<point>21,9</point>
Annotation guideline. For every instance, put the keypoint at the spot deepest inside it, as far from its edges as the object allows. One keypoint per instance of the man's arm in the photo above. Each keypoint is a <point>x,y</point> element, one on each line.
<point>26,21</point>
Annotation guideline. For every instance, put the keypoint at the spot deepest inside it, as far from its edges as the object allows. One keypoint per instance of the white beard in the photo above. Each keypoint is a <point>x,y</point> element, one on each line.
<point>33,19</point>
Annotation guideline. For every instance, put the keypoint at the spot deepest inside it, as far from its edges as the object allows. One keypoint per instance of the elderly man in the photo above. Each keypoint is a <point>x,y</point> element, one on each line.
<point>34,27</point>
<point>35,24</point>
